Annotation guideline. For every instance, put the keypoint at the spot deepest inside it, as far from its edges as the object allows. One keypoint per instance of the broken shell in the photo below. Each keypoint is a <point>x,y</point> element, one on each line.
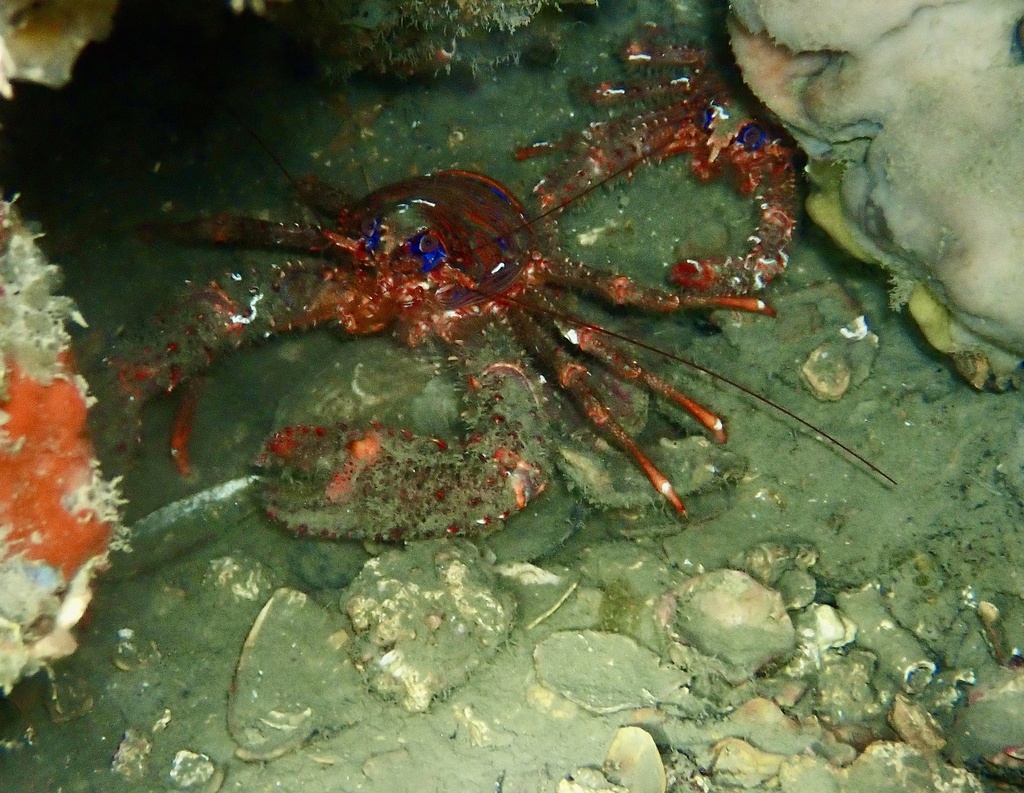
<point>915,725</point>
<point>279,697</point>
<point>827,372</point>
<point>69,696</point>
<point>633,760</point>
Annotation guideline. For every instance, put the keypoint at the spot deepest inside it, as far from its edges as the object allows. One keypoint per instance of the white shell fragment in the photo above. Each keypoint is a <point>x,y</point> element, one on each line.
<point>192,771</point>
<point>528,574</point>
<point>822,630</point>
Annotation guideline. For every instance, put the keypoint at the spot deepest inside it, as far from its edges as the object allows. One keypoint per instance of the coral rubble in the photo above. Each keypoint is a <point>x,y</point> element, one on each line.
<point>57,514</point>
<point>407,36</point>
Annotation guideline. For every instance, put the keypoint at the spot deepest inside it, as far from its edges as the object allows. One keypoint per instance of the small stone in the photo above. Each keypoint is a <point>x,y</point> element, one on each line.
<point>797,587</point>
<point>738,764</point>
<point>634,762</point>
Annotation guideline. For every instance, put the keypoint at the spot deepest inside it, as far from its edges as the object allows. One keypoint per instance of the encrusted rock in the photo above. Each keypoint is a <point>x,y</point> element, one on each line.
<point>424,618</point>
<point>845,695</point>
<point>131,760</point>
<point>885,766</point>
<point>194,771</point>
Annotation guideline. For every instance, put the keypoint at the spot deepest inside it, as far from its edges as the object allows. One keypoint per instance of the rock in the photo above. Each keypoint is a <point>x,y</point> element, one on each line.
<point>915,725</point>
<point>992,723</point>
<point>738,764</point>
<point>886,767</point>
<point>856,83</point>
<point>291,679</point>
<point>730,616</point>
<point>606,672</point>
<point>758,722</point>
<point>803,773</point>
<point>901,657</point>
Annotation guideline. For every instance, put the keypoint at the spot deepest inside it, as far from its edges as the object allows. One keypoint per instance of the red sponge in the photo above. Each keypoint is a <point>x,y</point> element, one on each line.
<point>47,475</point>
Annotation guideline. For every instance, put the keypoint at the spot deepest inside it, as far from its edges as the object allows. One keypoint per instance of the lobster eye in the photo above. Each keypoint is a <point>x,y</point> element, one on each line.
<point>429,243</point>
<point>751,137</point>
<point>427,246</point>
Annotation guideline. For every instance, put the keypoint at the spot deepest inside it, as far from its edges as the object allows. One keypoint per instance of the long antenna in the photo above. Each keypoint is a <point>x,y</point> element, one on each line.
<point>296,186</point>
<point>691,364</point>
